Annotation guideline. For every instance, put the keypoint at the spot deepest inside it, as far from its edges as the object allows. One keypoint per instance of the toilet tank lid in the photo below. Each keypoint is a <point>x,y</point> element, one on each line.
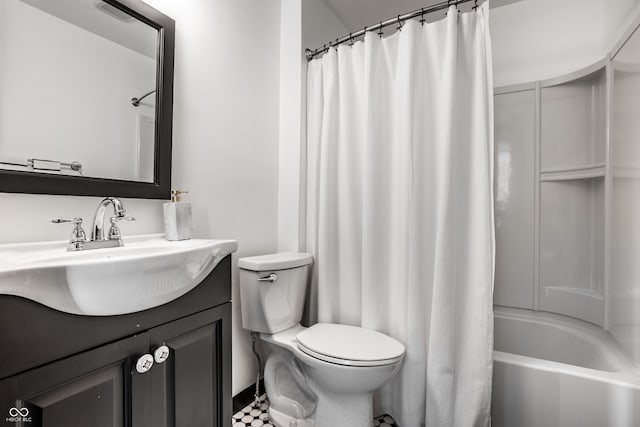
<point>279,261</point>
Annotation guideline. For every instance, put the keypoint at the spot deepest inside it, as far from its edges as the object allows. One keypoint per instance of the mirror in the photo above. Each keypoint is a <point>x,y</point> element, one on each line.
<point>85,98</point>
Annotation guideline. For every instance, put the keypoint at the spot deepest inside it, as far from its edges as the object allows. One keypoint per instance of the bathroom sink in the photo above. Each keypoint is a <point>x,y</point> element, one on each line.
<point>145,273</point>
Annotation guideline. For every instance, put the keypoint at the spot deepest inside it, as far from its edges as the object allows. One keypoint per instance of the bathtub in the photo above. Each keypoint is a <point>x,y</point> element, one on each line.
<point>555,371</point>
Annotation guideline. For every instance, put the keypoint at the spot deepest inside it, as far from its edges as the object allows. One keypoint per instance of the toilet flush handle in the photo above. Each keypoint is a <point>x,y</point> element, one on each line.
<point>270,278</point>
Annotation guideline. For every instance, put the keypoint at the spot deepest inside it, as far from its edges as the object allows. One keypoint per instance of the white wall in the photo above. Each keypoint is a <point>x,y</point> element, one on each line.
<point>304,24</point>
<point>320,24</point>
<point>225,148</point>
<point>540,39</point>
<point>225,143</point>
<point>618,16</point>
<point>292,87</point>
<point>25,217</point>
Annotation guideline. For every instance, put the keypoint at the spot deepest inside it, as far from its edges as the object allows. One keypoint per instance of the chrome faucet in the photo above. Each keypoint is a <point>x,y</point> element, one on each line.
<point>97,231</point>
<point>114,238</point>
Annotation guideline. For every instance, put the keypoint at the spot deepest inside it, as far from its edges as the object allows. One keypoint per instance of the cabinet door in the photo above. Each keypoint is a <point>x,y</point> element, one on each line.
<point>90,389</point>
<point>192,388</point>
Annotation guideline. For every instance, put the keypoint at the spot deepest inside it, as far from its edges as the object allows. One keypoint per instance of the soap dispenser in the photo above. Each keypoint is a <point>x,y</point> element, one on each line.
<point>177,217</point>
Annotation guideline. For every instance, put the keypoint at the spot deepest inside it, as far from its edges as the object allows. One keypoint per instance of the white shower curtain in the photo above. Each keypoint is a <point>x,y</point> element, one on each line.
<point>400,208</point>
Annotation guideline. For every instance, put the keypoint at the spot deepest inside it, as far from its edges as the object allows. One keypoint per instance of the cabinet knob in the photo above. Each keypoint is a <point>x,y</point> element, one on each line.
<point>144,363</point>
<point>161,354</point>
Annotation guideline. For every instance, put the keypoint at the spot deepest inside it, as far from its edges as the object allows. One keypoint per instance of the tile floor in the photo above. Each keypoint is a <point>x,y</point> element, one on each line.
<point>251,416</point>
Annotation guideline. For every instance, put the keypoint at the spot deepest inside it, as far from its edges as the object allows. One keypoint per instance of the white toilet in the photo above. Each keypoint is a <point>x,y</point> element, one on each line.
<point>322,376</point>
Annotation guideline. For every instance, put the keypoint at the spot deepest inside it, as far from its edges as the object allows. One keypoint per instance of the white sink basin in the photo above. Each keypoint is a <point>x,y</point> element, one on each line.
<point>145,273</point>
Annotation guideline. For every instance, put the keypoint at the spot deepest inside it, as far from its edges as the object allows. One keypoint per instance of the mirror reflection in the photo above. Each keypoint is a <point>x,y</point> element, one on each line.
<point>77,89</point>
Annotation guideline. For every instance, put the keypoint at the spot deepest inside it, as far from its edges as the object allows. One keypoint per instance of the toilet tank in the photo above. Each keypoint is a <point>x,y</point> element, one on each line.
<point>272,290</point>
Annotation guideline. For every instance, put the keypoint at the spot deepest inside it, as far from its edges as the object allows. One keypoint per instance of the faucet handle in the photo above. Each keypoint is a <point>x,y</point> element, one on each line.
<point>66,220</point>
<point>78,236</point>
<point>114,231</point>
<point>114,219</point>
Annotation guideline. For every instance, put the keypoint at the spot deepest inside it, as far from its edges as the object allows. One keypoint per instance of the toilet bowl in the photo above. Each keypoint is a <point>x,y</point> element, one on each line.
<point>336,383</point>
<point>321,376</point>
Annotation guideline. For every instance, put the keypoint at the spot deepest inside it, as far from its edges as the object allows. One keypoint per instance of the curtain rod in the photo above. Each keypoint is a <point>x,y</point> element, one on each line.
<point>310,54</point>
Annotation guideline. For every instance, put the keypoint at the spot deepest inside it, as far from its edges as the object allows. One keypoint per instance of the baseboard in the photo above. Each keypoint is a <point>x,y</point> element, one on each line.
<point>245,397</point>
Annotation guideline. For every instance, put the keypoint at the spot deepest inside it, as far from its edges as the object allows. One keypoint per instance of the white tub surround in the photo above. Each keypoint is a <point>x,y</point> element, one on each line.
<point>552,370</point>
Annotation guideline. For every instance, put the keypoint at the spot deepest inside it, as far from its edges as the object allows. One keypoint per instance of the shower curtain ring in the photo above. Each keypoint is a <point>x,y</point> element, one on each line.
<point>475,5</point>
<point>422,20</point>
<point>350,39</point>
<point>380,32</point>
<point>399,24</point>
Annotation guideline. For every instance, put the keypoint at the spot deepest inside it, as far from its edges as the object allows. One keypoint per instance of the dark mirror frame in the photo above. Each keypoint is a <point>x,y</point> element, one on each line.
<point>160,188</point>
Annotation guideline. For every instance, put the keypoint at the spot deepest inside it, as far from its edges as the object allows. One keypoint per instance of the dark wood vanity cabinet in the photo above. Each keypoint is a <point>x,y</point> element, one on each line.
<point>90,389</point>
<point>100,386</point>
<point>187,389</point>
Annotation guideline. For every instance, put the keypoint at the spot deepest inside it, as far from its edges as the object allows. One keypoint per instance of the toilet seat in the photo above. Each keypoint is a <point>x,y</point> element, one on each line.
<point>349,345</point>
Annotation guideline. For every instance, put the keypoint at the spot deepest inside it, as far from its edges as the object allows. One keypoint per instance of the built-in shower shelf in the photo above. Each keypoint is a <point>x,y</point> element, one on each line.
<point>595,170</point>
<point>552,144</point>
